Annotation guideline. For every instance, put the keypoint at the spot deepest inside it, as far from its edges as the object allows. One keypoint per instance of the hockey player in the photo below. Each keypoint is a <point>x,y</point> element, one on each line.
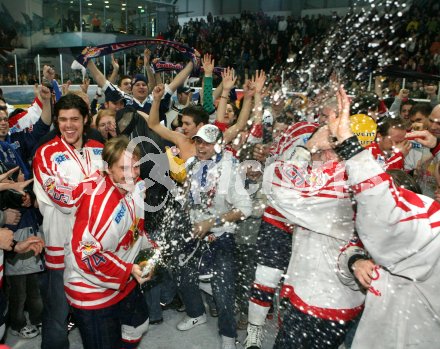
<point>400,230</point>
<point>59,166</point>
<point>100,277</point>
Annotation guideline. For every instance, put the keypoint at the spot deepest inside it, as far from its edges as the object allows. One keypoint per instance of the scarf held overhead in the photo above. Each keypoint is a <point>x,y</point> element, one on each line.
<point>102,50</point>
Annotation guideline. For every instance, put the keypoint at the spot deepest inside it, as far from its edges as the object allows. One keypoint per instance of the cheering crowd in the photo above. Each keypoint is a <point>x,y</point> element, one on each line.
<point>268,199</point>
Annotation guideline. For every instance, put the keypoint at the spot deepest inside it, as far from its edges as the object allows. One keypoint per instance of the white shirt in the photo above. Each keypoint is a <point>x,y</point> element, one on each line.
<point>220,191</point>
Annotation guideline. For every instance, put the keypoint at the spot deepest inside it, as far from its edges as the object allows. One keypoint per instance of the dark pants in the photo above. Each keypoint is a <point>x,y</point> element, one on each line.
<point>300,330</point>
<point>274,246</point>
<point>223,284</point>
<point>160,290</point>
<point>246,265</point>
<point>24,292</point>
<point>101,328</point>
<point>55,310</point>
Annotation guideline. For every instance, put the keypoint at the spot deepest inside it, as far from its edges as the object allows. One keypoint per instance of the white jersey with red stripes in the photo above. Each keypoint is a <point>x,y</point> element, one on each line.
<point>314,199</point>
<point>26,118</point>
<point>394,162</point>
<point>58,170</point>
<point>295,135</point>
<point>108,234</point>
<point>401,232</point>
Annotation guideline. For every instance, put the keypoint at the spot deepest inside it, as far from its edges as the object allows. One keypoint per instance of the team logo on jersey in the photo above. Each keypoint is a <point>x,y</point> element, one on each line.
<point>58,193</point>
<point>87,248</point>
<point>97,151</point>
<point>300,177</point>
<point>120,213</point>
<point>59,158</point>
<point>49,185</point>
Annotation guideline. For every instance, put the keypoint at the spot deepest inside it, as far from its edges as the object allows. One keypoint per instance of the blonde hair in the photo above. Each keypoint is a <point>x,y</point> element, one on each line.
<point>81,94</point>
<point>115,147</point>
<point>102,113</point>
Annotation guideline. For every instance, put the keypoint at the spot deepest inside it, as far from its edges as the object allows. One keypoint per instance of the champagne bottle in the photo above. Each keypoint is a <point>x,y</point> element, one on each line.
<point>147,260</point>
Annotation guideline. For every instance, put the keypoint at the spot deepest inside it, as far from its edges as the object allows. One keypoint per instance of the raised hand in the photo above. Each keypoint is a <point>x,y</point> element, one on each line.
<point>44,94</point>
<point>334,82</point>
<point>48,73</point>
<point>189,99</point>
<point>65,87</point>
<point>115,63</point>
<point>208,64</point>
<point>259,80</point>
<point>229,78</point>
<point>339,125</point>
<point>403,94</point>
<point>85,85</point>
<point>158,92</point>
<point>248,89</point>
<point>147,55</point>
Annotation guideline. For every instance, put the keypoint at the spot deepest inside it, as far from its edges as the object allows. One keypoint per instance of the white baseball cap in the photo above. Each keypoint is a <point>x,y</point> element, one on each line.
<point>209,133</point>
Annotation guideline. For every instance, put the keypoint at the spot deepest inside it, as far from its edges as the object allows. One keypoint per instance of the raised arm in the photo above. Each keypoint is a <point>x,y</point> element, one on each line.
<point>180,78</point>
<point>256,132</point>
<point>114,77</point>
<point>49,76</point>
<point>154,121</point>
<point>148,71</point>
<point>218,91</point>
<point>45,98</point>
<point>208,68</point>
<point>245,112</point>
<point>97,75</point>
<point>398,227</point>
<point>229,80</point>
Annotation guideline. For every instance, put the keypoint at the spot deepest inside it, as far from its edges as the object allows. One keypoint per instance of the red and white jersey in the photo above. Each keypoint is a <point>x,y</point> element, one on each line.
<point>27,118</point>
<point>295,135</point>
<point>58,169</point>
<point>401,232</point>
<point>108,234</point>
<point>315,199</point>
<point>394,162</point>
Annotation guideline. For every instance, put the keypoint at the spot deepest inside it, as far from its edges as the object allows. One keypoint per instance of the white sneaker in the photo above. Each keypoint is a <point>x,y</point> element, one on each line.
<point>228,343</point>
<point>27,332</point>
<point>188,323</point>
<point>254,337</point>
